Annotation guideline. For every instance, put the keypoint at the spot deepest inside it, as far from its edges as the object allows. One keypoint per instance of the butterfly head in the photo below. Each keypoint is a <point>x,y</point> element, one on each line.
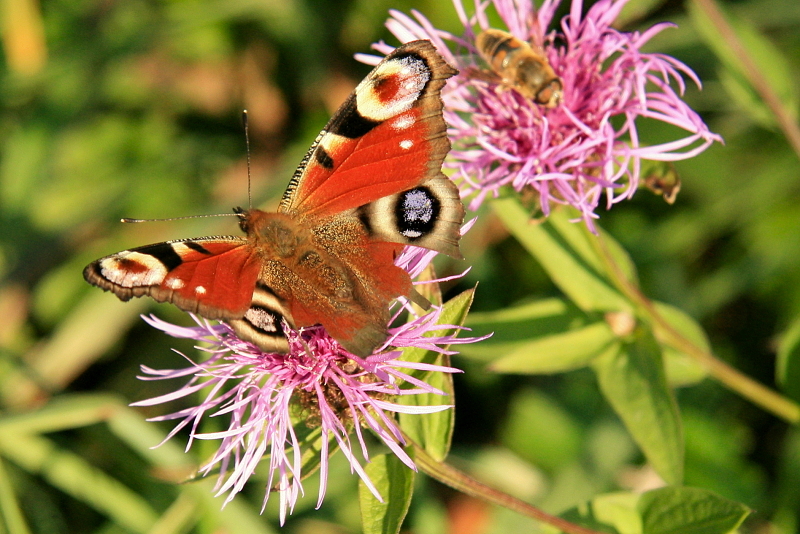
<point>243,215</point>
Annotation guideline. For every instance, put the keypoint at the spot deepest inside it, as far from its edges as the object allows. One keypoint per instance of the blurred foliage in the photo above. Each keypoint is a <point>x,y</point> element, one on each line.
<point>132,109</point>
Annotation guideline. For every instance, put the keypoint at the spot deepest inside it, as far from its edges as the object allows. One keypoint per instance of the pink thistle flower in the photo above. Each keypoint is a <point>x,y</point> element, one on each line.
<point>586,145</point>
<point>263,396</point>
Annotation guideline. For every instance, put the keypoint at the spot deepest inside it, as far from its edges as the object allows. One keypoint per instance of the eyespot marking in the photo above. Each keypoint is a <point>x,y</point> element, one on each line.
<point>417,211</point>
<point>130,269</point>
<point>393,87</point>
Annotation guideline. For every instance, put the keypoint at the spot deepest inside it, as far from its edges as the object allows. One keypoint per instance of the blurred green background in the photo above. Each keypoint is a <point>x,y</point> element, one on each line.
<point>132,109</point>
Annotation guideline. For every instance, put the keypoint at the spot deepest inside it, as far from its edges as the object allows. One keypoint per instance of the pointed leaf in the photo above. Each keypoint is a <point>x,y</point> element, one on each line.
<point>454,312</point>
<point>567,256</point>
<point>583,242</point>
<point>678,510</point>
<point>670,510</point>
<point>557,353</point>
<point>603,514</point>
<point>434,431</point>
<point>395,482</point>
<point>514,326</point>
<point>618,510</point>
<point>545,336</point>
<point>632,378</point>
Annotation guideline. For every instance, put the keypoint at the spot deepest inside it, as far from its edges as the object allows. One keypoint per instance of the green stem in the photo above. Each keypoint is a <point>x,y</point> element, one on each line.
<point>458,480</point>
<point>753,73</point>
<point>733,379</point>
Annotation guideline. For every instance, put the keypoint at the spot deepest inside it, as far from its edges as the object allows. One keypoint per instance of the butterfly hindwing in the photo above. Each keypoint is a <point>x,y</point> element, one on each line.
<point>263,322</point>
<point>429,215</point>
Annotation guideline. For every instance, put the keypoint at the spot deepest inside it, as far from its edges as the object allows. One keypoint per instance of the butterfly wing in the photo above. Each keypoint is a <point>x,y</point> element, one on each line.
<point>387,139</point>
<point>213,277</point>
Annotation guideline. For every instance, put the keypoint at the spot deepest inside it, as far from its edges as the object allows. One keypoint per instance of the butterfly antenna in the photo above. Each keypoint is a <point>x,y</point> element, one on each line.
<point>129,220</point>
<point>249,195</point>
<point>247,144</point>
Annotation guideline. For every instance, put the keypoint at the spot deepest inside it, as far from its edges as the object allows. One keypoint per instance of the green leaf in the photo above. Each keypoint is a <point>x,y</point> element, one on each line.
<point>584,243</point>
<point>618,510</point>
<point>689,511</point>
<point>434,431</point>
<point>563,250</point>
<point>513,326</point>
<point>546,336</point>
<point>682,369</point>
<point>74,476</point>
<point>454,312</point>
<point>787,368</point>
<point>632,378</point>
<point>11,518</point>
<point>670,510</point>
<point>605,513</point>
<point>557,353</point>
<point>395,482</point>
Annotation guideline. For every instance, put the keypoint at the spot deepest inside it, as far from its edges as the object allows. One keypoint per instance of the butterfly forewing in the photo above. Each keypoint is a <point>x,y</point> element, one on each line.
<point>387,137</point>
<point>185,272</point>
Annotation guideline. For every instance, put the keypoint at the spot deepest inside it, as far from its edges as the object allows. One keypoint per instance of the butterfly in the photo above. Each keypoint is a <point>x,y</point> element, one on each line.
<point>370,184</point>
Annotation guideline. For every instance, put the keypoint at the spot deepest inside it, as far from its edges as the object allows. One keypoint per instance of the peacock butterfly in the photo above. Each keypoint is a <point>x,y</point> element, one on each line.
<point>370,184</point>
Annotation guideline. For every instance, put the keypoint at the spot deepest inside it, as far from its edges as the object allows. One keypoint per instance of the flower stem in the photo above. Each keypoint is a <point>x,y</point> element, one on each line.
<point>458,480</point>
<point>753,73</point>
<point>728,376</point>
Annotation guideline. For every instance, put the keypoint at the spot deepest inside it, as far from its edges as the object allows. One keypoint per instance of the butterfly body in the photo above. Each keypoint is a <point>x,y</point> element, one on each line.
<point>369,185</point>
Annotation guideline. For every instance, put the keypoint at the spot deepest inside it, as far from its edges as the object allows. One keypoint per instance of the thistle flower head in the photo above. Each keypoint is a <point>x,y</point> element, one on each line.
<point>264,397</point>
<point>587,143</point>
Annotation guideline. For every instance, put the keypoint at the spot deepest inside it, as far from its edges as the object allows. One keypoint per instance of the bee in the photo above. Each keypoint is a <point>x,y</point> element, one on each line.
<point>520,66</point>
